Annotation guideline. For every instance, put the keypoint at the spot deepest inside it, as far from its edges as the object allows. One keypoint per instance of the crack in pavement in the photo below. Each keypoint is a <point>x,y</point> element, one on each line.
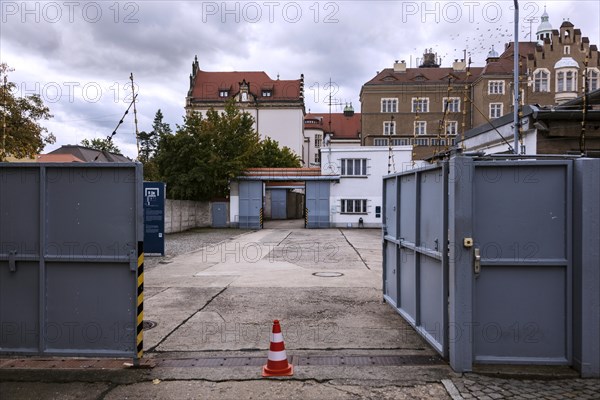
<point>151,350</point>
<point>354,248</point>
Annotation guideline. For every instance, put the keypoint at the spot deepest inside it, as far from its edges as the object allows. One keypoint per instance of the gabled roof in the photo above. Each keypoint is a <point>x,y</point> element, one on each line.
<point>58,158</point>
<point>343,127</point>
<point>87,154</point>
<point>423,76</point>
<point>206,85</point>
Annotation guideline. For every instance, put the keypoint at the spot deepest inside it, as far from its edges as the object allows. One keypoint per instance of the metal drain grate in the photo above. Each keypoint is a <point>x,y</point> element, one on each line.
<point>304,361</point>
<point>213,362</point>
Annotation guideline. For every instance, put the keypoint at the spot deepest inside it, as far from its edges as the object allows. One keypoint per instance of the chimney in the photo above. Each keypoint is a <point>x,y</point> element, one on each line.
<point>400,66</point>
<point>459,65</point>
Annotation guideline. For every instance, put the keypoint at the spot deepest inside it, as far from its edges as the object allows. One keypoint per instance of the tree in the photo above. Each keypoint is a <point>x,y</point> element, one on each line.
<point>21,134</point>
<point>149,146</point>
<point>198,161</point>
<point>272,156</point>
<point>101,144</point>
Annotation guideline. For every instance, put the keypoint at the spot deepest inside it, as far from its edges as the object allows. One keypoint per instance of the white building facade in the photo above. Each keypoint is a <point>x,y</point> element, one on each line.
<point>356,199</point>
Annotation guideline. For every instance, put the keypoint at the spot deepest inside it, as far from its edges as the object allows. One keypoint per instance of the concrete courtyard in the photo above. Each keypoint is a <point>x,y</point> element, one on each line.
<point>210,312</point>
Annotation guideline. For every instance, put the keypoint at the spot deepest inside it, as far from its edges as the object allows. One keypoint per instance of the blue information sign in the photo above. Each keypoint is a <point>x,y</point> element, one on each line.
<point>154,218</point>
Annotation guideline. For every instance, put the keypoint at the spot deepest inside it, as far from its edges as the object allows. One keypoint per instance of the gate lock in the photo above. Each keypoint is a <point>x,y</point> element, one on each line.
<point>12,263</point>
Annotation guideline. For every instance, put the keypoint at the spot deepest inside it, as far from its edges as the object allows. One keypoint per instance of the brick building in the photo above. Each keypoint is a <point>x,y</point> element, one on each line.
<point>431,106</point>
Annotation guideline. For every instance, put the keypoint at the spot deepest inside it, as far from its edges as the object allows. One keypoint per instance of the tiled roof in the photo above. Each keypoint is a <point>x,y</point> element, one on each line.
<point>87,154</point>
<point>423,76</point>
<point>58,158</point>
<point>343,127</point>
<point>206,85</point>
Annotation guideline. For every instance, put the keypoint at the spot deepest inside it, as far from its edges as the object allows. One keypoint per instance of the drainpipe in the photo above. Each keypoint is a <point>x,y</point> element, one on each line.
<point>516,81</point>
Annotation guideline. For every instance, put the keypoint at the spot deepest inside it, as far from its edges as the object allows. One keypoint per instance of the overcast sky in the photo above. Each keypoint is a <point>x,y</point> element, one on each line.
<point>79,55</point>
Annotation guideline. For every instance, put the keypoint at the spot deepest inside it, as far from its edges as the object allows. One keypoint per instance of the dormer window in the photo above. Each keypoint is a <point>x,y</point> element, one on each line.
<point>244,96</point>
<point>267,93</point>
<point>223,93</point>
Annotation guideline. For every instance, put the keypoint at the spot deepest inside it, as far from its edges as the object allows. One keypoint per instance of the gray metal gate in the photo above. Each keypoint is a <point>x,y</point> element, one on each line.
<point>278,204</point>
<point>317,204</point>
<point>479,258</point>
<point>219,214</point>
<point>251,204</point>
<point>415,264</point>
<point>71,261</point>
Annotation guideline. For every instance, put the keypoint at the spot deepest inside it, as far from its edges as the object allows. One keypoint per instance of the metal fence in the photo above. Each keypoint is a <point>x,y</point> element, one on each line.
<point>71,259</point>
<point>485,258</point>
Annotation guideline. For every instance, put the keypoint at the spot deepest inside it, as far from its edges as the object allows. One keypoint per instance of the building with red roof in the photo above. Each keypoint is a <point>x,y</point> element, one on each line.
<point>276,105</point>
<point>431,107</point>
<point>332,130</point>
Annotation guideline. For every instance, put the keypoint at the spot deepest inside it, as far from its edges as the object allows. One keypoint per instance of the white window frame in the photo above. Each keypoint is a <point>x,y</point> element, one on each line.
<point>420,142</point>
<point>565,84</point>
<point>401,142</point>
<point>389,105</point>
<point>350,167</point>
<point>380,142</point>
<point>389,128</point>
<point>493,106</point>
<point>318,140</point>
<point>496,87</point>
<point>451,131</point>
<point>420,128</point>
<point>453,104</point>
<point>438,142</point>
<point>358,206</point>
<point>223,93</point>
<point>593,81</point>
<point>538,77</point>
<point>318,157</point>
<point>423,102</point>
<point>267,93</point>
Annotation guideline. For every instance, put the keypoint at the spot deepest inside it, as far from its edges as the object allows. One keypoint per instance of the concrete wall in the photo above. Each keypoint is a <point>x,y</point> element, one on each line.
<point>181,215</point>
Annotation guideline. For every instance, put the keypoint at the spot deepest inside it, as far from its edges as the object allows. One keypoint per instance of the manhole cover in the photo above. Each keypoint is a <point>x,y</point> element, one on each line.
<point>149,325</point>
<point>328,274</point>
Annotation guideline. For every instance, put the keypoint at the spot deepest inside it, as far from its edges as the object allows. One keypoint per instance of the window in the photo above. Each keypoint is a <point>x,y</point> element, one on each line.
<point>593,80</point>
<point>318,140</point>
<point>223,93</point>
<point>438,142</point>
<point>496,110</point>
<point>354,206</point>
<point>420,105</point>
<point>451,128</point>
<point>244,96</point>
<point>496,87</point>
<point>420,142</point>
<point>453,104</point>
<point>318,157</point>
<point>389,128</point>
<point>389,105</point>
<point>354,166</point>
<point>541,81</point>
<point>420,128</point>
<point>567,50</point>
<point>266,93</point>
<point>380,142</point>
<point>566,81</point>
<point>400,142</point>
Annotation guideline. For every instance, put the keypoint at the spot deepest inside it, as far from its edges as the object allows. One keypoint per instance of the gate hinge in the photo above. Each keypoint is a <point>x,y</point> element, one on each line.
<point>12,262</point>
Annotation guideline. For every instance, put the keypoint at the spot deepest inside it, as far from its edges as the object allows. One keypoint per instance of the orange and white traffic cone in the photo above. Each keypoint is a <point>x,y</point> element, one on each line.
<point>277,363</point>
